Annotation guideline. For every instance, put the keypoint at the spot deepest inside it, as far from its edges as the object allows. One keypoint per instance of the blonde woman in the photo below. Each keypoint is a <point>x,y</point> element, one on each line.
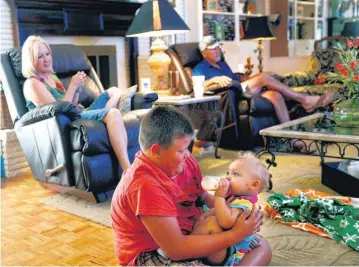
<point>43,86</point>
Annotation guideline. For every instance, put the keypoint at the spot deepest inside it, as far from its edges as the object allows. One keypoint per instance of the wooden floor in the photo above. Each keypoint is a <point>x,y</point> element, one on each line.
<point>33,234</point>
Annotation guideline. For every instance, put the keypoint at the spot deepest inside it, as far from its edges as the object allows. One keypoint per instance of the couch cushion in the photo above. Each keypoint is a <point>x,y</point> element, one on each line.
<point>124,104</point>
<point>323,60</point>
<point>299,78</point>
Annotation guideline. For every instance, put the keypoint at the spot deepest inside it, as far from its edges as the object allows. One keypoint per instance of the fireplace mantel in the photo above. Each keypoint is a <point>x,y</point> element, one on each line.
<point>74,17</point>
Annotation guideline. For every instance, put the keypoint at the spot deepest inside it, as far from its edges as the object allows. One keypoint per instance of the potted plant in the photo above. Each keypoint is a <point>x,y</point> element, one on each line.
<point>346,113</point>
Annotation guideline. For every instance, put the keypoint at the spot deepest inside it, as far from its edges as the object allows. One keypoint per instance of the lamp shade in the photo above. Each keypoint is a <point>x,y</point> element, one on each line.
<point>258,28</point>
<point>351,29</point>
<point>156,18</point>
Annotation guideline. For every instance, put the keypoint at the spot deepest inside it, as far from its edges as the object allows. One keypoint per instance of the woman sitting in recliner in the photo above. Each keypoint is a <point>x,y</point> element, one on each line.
<point>42,86</point>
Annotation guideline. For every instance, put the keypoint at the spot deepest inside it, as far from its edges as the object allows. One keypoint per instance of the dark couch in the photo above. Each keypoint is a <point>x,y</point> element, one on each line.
<point>63,152</point>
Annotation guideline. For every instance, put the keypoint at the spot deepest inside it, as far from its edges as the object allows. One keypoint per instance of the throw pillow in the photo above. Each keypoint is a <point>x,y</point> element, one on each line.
<point>124,104</point>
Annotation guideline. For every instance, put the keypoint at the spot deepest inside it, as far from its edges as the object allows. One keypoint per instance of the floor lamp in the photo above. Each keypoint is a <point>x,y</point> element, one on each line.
<point>154,19</point>
<point>258,28</point>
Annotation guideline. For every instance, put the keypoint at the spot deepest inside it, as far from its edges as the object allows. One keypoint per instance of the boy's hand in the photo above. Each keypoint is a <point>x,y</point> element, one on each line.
<point>222,188</point>
<point>244,226</point>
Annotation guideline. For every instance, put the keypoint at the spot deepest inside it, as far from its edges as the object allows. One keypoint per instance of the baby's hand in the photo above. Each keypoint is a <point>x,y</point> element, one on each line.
<point>222,188</point>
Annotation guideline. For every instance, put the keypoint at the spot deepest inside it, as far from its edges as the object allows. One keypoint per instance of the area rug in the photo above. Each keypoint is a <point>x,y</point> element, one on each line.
<point>290,246</point>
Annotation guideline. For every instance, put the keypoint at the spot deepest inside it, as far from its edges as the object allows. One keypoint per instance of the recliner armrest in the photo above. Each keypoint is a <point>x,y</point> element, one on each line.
<point>143,100</point>
<point>46,111</point>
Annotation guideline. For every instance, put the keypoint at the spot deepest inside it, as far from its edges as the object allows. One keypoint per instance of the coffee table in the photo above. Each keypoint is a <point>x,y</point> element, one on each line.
<point>317,131</point>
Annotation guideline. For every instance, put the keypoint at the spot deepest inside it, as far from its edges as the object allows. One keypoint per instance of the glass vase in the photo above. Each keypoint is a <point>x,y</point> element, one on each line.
<point>346,113</point>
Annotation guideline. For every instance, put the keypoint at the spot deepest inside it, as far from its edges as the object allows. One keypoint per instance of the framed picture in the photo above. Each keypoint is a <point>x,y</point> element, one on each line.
<point>300,11</point>
<point>172,2</point>
<point>211,5</point>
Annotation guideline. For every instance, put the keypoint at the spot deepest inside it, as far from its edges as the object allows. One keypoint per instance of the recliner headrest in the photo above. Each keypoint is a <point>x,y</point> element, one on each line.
<point>68,59</point>
<point>189,54</point>
<point>65,59</point>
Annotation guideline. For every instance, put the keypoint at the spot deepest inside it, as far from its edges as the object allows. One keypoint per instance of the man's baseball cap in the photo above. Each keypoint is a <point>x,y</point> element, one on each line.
<point>208,42</point>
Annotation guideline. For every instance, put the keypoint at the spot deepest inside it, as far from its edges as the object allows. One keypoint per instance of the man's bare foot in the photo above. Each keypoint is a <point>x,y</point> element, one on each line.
<point>319,101</point>
<point>310,102</point>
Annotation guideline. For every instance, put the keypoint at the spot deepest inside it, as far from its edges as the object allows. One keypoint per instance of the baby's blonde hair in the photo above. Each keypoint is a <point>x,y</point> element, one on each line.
<point>259,169</point>
<point>30,52</point>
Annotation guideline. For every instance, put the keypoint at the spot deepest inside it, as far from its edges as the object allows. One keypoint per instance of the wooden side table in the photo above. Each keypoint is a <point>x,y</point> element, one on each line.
<point>198,109</point>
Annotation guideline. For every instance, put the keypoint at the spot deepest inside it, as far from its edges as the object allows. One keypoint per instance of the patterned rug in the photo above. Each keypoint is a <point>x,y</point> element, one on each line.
<point>290,246</point>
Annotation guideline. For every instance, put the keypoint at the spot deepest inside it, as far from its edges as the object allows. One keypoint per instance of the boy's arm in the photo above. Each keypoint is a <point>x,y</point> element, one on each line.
<point>226,216</point>
<point>207,199</point>
<point>167,234</point>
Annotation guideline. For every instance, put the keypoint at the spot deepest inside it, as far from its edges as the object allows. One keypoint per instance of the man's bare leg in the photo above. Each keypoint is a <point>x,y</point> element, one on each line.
<point>281,111</point>
<point>279,105</point>
<point>258,82</point>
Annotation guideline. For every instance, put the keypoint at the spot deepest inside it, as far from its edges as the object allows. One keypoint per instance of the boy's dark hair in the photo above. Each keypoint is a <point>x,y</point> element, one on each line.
<point>162,125</point>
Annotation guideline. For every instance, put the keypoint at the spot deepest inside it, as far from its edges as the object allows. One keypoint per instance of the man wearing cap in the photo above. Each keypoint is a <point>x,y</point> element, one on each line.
<point>217,71</point>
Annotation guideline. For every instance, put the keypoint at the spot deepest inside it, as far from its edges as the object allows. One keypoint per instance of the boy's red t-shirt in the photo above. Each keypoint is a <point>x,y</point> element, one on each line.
<point>145,189</point>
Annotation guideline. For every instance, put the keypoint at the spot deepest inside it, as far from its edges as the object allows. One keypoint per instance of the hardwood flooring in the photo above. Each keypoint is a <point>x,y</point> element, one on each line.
<point>33,234</point>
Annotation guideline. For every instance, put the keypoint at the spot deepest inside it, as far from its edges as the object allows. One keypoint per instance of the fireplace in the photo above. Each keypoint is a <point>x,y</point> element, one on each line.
<point>96,26</point>
<point>98,48</point>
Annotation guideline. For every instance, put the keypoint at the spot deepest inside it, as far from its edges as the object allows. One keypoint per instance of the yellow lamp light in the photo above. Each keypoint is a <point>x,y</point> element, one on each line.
<point>157,18</point>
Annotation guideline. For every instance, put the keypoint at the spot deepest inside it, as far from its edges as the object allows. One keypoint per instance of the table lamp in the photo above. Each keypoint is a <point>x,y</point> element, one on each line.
<point>258,28</point>
<point>157,18</point>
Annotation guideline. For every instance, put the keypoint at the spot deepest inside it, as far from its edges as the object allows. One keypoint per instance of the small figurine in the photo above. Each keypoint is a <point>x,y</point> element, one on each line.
<point>249,66</point>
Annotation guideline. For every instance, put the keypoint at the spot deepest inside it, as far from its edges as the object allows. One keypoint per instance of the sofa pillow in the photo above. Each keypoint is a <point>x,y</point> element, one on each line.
<point>323,60</point>
<point>124,105</point>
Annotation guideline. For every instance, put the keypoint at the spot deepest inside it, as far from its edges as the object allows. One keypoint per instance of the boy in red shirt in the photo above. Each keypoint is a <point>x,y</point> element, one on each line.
<point>154,206</point>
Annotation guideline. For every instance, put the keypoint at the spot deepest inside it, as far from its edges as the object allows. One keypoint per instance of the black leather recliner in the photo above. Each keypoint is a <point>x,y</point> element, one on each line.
<point>253,112</point>
<point>64,152</point>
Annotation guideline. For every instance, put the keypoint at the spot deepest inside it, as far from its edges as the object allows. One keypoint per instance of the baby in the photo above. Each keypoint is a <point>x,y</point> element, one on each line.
<point>246,178</point>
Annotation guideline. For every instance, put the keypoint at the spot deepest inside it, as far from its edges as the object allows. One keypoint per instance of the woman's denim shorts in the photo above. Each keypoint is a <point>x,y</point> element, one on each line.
<point>97,111</point>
